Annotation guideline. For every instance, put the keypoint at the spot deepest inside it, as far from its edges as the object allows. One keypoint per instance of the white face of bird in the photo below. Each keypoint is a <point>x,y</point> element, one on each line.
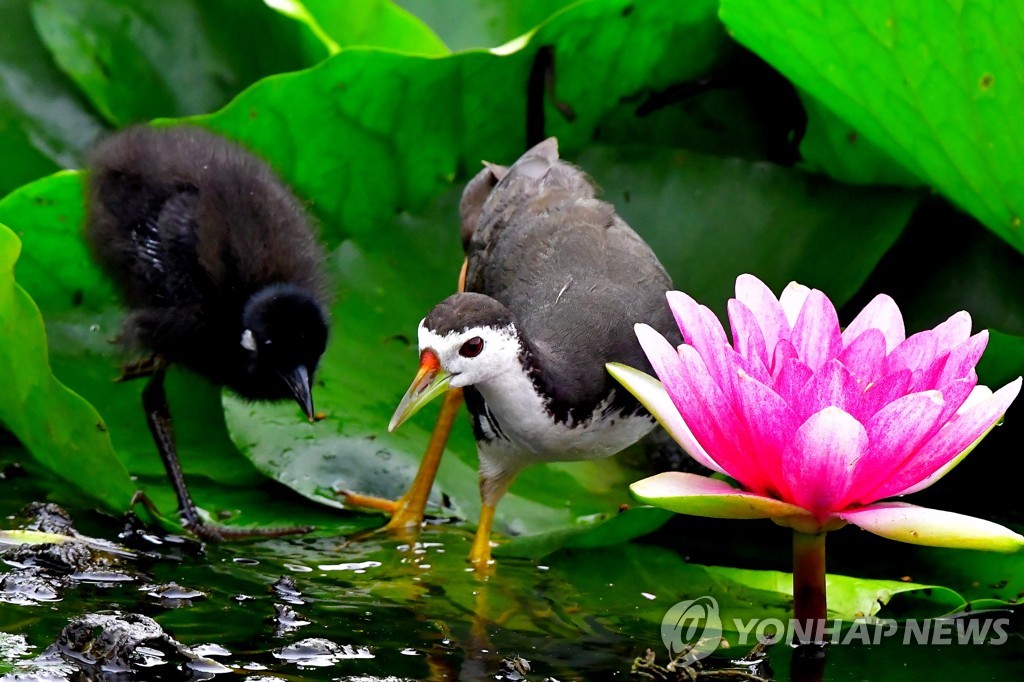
<point>474,355</point>
<point>457,359</point>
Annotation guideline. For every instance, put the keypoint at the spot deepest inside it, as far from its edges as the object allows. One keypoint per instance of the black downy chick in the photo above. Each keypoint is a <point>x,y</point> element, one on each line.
<point>220,267</point>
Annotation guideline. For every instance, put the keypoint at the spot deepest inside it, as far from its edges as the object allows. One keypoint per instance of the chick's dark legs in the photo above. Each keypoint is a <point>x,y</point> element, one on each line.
<point>158,416</point>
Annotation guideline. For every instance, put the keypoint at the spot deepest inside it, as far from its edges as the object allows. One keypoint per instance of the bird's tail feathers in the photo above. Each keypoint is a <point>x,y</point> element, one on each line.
<point>541,170</point>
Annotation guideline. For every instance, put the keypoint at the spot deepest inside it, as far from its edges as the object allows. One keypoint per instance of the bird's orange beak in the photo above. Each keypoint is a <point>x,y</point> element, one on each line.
<point>430,382</point>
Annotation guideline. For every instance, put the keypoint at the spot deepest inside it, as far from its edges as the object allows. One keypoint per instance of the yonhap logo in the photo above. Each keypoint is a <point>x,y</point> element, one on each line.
<point>692,629</point>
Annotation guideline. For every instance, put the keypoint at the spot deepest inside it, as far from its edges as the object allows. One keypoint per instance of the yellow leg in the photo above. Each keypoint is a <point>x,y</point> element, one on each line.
<point>462,276</point>
<point>480,554</point>
<point>412,505</point>
<point>354,499</point>
<point>409,509</point>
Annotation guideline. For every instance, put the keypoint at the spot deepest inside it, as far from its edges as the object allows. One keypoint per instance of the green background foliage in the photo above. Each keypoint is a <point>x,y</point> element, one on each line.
<point>853,148</point>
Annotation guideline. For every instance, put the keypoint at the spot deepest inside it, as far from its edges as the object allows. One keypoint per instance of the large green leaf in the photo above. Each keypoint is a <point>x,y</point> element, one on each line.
<point>967,268</point>
<point>368,23</point>
<point>939,86</point>
<point>44,123</point>
<point>832,146</point>
<point>136,61</point>
<point>711,219</point>
<point>62,430</point>
<point>367,133</point>
<point>482,23</point>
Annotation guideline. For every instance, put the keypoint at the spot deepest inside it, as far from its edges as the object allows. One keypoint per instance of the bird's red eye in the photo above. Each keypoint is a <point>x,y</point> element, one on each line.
<point>472,348</point>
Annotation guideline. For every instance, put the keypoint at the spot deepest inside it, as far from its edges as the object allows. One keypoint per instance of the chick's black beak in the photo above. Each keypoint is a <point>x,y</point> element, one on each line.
<point>299,384</point>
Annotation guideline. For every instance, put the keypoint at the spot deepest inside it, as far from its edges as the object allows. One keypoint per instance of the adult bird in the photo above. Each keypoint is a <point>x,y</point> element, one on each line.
<point>221,270</point>
<point>553,283</point>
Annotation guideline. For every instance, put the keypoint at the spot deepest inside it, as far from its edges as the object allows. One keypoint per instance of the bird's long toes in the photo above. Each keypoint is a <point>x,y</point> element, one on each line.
<point>209,532</point>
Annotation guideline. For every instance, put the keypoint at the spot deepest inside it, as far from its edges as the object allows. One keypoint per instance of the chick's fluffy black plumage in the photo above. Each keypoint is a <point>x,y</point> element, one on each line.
<point>205,242</point>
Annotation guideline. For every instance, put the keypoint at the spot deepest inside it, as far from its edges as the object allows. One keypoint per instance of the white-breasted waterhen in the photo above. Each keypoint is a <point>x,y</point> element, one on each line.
<point>220,267</point>
<point>554,282</point>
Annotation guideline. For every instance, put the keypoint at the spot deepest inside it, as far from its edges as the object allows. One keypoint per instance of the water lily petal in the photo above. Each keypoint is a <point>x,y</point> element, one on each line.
<point>746,334</point>
<point>702,496</point>
<point>699,325</point>
<point>652,395</point>
<point>820,459</point>
<point>916,353</point>
<point>752,367</point>
<point>831,386</point>
<point>977,396</point>
<point>784,351</point>
<point>816,335</point>
<point>883,314</point>
<point>963,358</point>
<point>712,416</point>
<point>705,409</point>
<point>953,442</point>
<point>865,356</point>
<point>703,331</point>
<point>790,381</point>
<point>896,432</point>
<point>934,528</point>
<point>792,300</point>
<point>954,330</point>
<point>769,423</point>
<point>766,309</point>
<point>954,394</point>
<point>929,378</point>
<point>883,392</point>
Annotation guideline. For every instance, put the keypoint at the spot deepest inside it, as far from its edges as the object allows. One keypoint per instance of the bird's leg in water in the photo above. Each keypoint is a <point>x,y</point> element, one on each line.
<point>408,510</point>
<point>492,488</point>
<point>480,552</point>
<point>158,416</point>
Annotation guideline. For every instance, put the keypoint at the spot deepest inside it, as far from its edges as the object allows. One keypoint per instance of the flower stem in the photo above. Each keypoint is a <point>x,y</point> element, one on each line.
<point>809,605</point>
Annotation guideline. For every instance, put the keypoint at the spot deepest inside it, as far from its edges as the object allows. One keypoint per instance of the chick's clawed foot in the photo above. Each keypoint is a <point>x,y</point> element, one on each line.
<point>142,369</point>
<point>211,532</point>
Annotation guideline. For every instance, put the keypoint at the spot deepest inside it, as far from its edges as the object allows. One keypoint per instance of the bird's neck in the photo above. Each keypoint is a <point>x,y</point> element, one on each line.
<point>512,393</point>
<point>516,424</point>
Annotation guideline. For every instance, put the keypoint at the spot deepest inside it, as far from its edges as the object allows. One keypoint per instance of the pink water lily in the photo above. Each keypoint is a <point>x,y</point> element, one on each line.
<point>818,423</point>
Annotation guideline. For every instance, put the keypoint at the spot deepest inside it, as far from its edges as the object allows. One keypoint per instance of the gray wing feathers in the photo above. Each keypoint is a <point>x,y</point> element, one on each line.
<point>570,269</point>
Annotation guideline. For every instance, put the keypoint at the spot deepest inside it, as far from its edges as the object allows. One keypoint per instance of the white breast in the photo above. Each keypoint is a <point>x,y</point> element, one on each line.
<point>530,436</point>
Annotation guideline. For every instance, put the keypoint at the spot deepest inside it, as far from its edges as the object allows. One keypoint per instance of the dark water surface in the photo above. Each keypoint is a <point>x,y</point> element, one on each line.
<point>410,608</point>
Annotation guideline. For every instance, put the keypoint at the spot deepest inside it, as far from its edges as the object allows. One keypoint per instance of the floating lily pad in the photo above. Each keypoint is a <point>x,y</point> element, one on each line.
<point>57,425</point>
